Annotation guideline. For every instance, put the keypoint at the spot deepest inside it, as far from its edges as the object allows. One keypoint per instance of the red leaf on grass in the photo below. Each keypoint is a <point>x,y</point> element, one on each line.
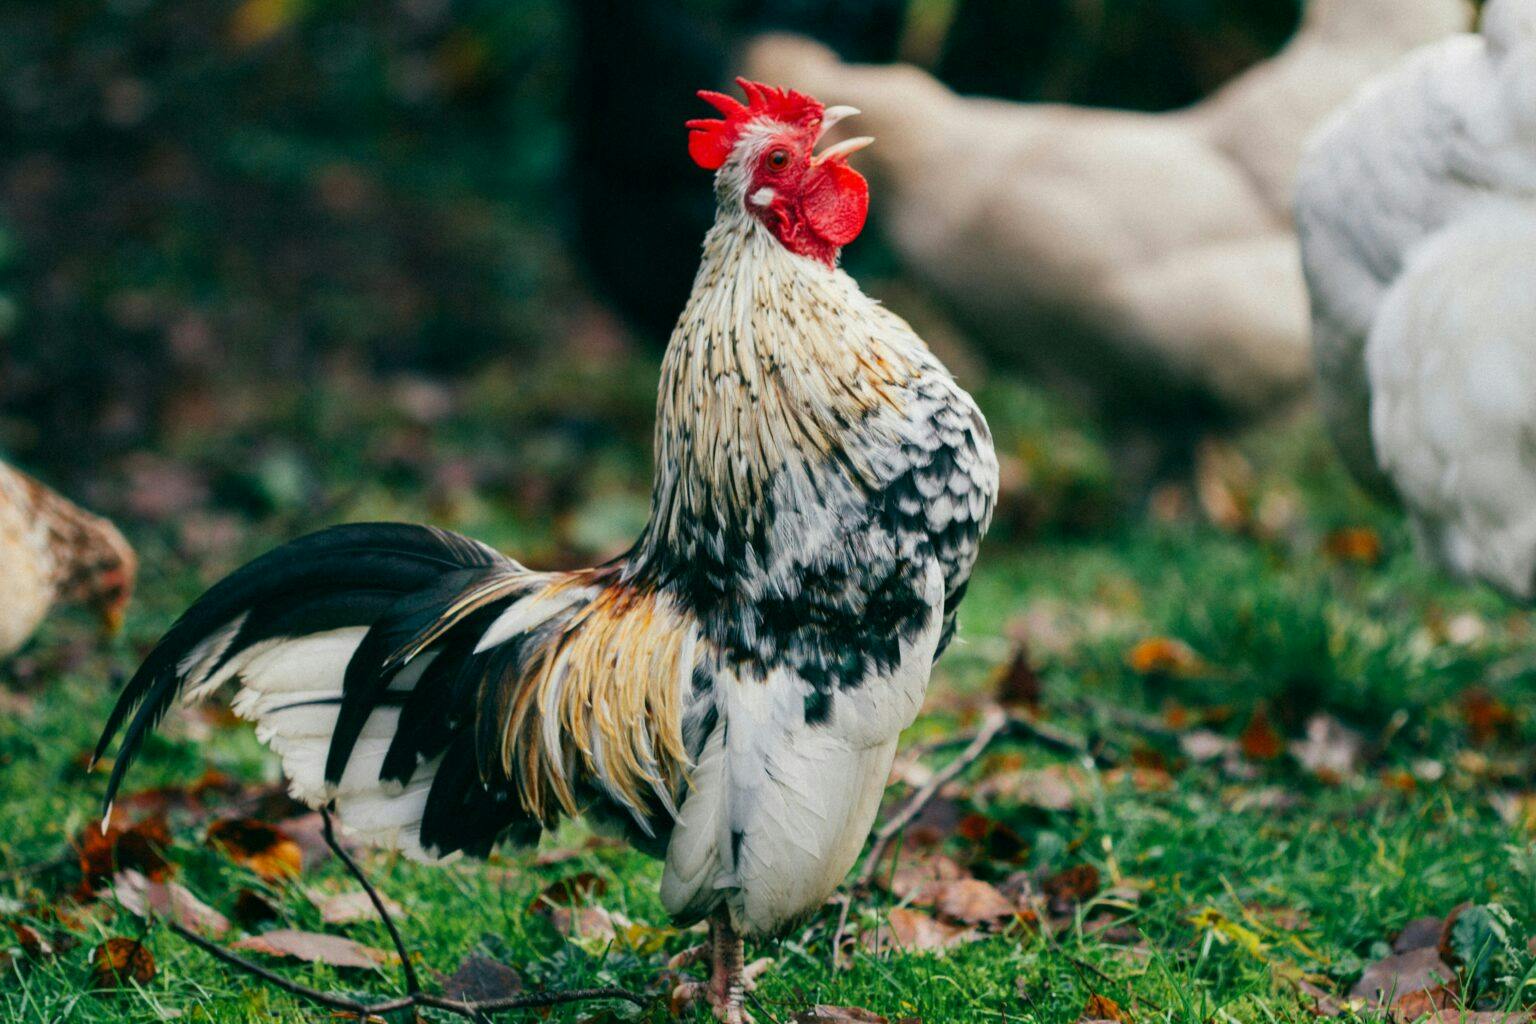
<point>119,961</point>
<point>265,849</point>
<point>1259,740</point>
<point>315,948</point>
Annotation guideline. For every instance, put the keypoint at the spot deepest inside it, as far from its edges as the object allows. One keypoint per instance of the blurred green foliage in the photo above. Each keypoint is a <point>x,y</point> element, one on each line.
<point>195,191</point>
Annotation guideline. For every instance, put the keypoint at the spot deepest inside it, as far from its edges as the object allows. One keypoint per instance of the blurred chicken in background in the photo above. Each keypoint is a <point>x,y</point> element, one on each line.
<point>1417,210</point>
<point>1146,261</point>
<point>52,550</point>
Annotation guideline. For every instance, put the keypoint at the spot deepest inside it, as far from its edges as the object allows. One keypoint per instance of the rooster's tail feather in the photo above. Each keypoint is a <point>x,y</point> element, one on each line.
<point>356,652</point>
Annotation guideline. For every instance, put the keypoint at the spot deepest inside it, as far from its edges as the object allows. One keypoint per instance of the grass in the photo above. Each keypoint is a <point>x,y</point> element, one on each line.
<point>1227,881</point>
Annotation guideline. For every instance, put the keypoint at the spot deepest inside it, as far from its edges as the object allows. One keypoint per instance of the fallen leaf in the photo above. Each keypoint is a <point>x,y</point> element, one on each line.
<point>314,948</point>
<point>351,907</point>
<point>915,931</point>
<point>1358,544</point>
<point>1259,740</point>
<point>1016,683</point>
<point>119,962</point>
<point>820,1014</point>
<point>480,978</point>
<point>1418,975</point>
<point>919,880</point>
<point>139,847</point>
<point>579,888</point>
<point>265,849</point>
<point>1076,884</point>
<point>972,901</point>
<point>1164,656</point>
<point>31,940</point>
<point>252,908</point>
<point>1420,933</point>
<point>1101,1008</point>
<point>1486,716</point>
<point>143,897</point>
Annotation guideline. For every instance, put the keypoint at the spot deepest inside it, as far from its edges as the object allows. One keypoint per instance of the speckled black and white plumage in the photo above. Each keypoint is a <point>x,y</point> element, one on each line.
<point>729,693</point>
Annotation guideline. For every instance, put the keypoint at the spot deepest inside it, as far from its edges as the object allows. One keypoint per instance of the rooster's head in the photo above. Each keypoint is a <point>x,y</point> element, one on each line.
<point>765,153</point>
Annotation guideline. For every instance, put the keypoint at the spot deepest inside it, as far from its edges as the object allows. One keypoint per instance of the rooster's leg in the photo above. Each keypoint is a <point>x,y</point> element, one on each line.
<point>730,978</point>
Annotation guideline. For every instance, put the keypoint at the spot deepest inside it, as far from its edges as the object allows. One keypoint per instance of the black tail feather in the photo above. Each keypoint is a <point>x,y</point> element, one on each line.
<point>343,576</point>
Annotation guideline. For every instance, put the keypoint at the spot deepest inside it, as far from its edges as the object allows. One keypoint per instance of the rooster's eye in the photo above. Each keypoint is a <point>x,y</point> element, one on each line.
<point>778,159</point>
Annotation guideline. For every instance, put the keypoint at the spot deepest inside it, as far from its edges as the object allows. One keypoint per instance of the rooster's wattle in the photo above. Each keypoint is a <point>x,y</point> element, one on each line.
<point>730,692</point>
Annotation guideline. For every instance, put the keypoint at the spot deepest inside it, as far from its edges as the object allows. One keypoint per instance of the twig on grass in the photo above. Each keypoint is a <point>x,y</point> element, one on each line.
<point>328,831</point>
<point>462,1007</point>
<point>474,1009</point>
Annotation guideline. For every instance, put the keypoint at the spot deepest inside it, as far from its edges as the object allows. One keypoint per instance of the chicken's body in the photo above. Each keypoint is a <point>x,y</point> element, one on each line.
<point>730,693</point>
<point>1144,260</point>
<point>1417,213</point>
<point>52,550</point>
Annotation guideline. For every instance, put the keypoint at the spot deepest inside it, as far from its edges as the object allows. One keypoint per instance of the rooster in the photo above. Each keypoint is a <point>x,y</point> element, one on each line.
<point>1417,214</point>
<point>729,693</point>
<point>52,550</point>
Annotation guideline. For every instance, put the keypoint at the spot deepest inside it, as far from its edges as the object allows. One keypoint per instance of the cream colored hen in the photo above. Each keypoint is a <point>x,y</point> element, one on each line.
<point>1138,258</point>
<point>52,550</point>
<point>1417,208</point>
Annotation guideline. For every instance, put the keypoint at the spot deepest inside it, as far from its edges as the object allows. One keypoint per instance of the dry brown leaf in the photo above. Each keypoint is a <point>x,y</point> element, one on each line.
<point>139,847</point>
<point>314,948</point>
<point>1103,1008</point>
<point>142,897</point>
<point>1486,716</point>
<point>578,888</point>
<point>591,923</point>
<point>351,907</point>
<point>1259,740</point>
<point>31,940</point>
<point>1055,787</point>
<point>1076,884</point>
<point>1164,656</point>
<point>1358,544</point>
<point>265,849</point>
<point>820,1014</point>
<point>1420,933</point>
<point>914,930</point>
<point>1016,683</point>
<point>480,978</point>
<point>972,901</point>
<point>1451,1015</point>
<point>918,880</point>
<point>119,962</point>
<point>1417,976</point>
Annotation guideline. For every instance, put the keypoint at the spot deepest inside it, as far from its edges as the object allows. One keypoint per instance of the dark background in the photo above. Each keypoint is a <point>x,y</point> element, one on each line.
<point>208,205</point>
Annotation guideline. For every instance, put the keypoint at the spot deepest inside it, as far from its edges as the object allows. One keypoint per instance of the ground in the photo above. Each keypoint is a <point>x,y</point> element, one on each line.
<point>1190,863</point>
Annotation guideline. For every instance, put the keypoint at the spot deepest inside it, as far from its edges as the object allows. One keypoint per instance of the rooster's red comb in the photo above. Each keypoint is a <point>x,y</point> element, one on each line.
<point>710,139</point>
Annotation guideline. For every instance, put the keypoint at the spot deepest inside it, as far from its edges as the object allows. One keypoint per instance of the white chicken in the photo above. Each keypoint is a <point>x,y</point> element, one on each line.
<point>1417,213</point>
<point>1145,260</point>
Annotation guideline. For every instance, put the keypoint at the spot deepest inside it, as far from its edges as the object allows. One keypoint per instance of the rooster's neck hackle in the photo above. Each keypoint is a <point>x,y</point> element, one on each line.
<point>775,359</point>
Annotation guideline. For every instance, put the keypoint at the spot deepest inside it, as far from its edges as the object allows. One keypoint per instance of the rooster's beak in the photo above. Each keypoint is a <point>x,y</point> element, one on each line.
<point>832,115</point>
<point>829,120</point>
<point>843,150</point>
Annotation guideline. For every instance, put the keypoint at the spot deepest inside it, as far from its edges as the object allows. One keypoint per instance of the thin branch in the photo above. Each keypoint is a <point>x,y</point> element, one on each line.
<point>991,726</point>
<point>463,1008</point>
<point>328,830</point>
